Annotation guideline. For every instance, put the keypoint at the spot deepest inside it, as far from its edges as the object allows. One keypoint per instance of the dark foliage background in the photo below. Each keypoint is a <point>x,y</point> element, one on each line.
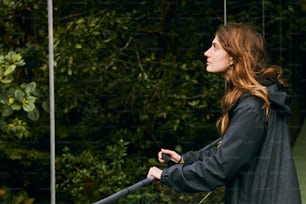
<point>129,79</point>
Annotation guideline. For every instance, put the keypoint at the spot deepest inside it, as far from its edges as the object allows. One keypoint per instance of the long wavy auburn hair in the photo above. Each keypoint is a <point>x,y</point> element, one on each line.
<point>246,47</point>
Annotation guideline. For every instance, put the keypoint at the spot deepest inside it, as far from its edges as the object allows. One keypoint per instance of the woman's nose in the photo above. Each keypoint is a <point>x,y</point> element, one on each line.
<point>205,53</point>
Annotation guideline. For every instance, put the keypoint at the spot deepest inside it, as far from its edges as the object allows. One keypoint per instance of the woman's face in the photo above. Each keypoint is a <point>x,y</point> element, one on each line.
<point>218,61</point>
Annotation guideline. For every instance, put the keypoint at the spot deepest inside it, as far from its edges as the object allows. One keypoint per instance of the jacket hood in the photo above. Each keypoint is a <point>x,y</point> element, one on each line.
<point>279,99</point>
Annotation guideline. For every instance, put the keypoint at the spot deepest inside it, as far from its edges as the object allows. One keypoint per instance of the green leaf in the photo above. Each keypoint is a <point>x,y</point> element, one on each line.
<point>28,107</point>
<point>28,103</point>
<point>107,40</point>
<point>33,115</point>
<point>29,88</point>
<point>7,80</point>
<point>10,56</point>
<point>78,46</point>
<point>31,99</point>
<point>7,112</point>
<point>16,107</point>
<point>19,95</point>
<point>45,106</point>
<point>8,2</point>
<point>20,63</point>
<point>10,70</point>
<point>194,103</point>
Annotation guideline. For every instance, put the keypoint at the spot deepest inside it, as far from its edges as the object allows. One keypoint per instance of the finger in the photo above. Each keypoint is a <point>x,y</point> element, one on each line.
<point>167,151</point>
<point>161,160</point>
<point>160,157</point>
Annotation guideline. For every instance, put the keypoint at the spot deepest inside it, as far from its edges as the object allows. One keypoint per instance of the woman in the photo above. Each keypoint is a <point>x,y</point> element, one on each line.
<point>253,159</point>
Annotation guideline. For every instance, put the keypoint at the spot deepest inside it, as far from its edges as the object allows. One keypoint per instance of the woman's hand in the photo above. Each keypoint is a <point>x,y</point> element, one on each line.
<point>173,156</point>
<point>155,172</point>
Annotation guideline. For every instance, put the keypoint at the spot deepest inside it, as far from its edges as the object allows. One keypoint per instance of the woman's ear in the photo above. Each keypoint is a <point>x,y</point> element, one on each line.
<point>232,61</point>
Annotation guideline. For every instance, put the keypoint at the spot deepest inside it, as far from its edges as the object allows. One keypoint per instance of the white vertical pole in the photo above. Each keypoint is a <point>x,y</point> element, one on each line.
<point>51,92</point>
<point>225,12</point>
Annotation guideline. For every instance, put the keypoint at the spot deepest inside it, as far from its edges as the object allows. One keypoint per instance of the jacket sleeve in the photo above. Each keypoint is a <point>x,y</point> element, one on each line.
<point>238,148</point>
<point>206,151</point>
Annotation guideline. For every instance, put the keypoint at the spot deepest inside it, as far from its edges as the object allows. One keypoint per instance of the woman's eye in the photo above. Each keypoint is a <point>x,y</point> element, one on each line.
<point>214,46</point>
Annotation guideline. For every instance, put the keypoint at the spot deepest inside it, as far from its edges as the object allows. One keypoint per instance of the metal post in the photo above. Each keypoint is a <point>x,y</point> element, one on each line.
<point>51,92</point>
<point>225,12</point>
